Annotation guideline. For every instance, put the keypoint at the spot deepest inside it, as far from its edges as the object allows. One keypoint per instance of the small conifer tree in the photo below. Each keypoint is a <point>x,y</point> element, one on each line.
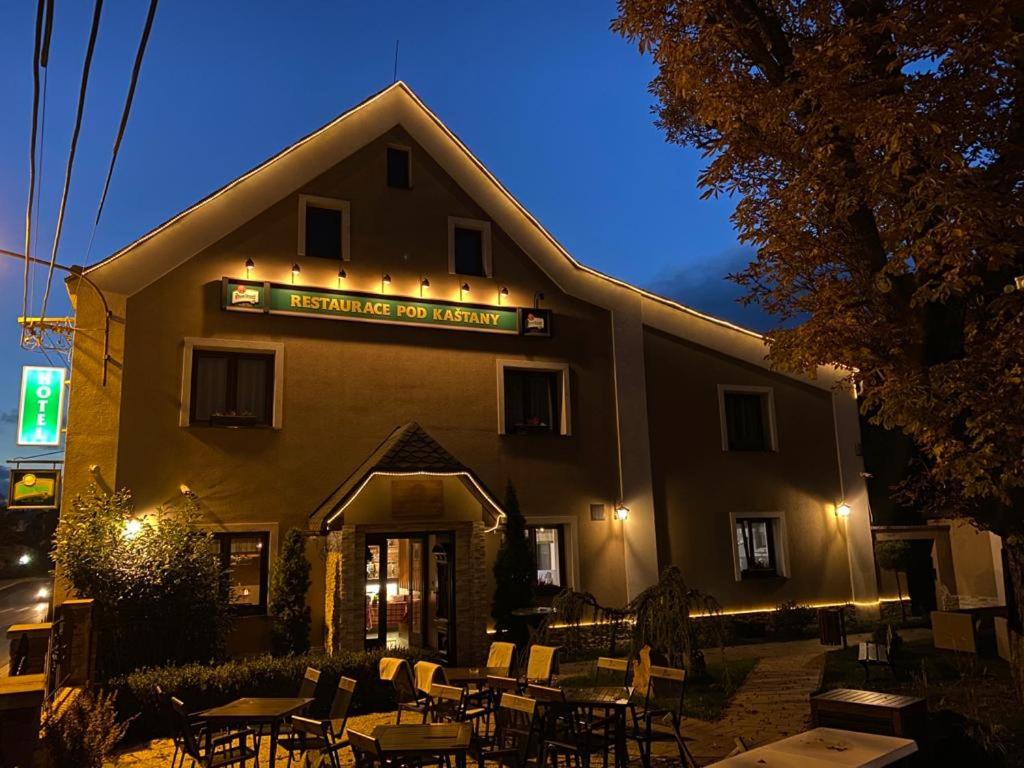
<point>515,567</point>
<point>288,587</point>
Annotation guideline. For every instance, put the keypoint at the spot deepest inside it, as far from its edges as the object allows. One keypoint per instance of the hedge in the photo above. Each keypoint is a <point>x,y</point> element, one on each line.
<point>202,686</point>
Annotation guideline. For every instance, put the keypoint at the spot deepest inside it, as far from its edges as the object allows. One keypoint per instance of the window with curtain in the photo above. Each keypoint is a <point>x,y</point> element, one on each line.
<point>531,401</point>
<point>244,557</point>
<point>549,548</point>
<point>233,389</point>
<point>755,544</point>
<point>746,421</point>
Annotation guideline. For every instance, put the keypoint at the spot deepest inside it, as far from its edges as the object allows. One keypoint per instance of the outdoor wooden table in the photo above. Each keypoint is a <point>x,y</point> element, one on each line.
<point>611,698</point>
<point>429,740</point>
<point>825,747</point>
<point>254,711</point>
<point>463,676</point>
<point>887,714</point>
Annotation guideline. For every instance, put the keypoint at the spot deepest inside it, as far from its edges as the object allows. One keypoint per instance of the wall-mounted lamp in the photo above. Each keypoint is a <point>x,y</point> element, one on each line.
<point>463,289</point>
<point>843,509</point>
<point>250,265</point>
<point>621,511</point>
<point>295,272</point>
<point>502,292</point>
<point>185,490</point>
<point>385,279</point>
<point>538,297</point>
<point>424,284</point>
<point>341,276</point>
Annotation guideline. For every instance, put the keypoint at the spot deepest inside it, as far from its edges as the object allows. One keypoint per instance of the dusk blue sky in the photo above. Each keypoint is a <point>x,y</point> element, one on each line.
<point>543,93</point>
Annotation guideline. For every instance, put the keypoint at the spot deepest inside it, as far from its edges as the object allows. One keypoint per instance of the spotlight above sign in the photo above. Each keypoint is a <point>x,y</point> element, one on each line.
<point>301,301</point>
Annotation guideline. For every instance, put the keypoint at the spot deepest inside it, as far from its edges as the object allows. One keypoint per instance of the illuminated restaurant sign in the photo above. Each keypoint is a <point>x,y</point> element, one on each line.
<point>34,489</point>
<point>41,406</point>
<point>278,299</point>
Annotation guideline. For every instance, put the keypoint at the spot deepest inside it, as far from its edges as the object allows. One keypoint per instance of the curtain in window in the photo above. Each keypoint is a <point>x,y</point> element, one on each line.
<point>744,415</point>
<point>251,396</point>
<point>530,398</point>
<point>210,393</point>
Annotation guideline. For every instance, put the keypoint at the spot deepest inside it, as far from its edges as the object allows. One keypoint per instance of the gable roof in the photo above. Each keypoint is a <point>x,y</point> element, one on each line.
<point>167,246</point>
<point>408,450</point>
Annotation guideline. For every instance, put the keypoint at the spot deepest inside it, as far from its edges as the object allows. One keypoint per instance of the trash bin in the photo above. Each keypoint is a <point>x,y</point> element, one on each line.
<point>831,626</point>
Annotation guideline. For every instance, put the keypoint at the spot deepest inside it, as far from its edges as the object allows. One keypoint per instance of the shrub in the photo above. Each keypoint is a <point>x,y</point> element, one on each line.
<point>159,595</point>
<point>790,620</point>
<point>202,686</point>
<point>515,567</point>
<point>84,732</point>
<point>895,555</point>
<point>288,587</point>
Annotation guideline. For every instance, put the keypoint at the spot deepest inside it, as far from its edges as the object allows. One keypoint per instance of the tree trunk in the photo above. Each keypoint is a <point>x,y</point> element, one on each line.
<point>1013,545</point>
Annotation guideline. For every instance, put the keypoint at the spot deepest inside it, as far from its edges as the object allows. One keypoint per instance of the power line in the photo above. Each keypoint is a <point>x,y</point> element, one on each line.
<point>36,59</point>
<point>71,152</point>
<point>124,119</point>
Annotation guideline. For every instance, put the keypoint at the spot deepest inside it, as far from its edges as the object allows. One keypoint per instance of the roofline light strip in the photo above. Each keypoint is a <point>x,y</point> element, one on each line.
<point>483,492</point>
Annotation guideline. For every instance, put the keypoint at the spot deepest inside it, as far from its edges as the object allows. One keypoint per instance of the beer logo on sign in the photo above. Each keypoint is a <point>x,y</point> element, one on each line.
<point>245,295</point>
<point>534,322</point>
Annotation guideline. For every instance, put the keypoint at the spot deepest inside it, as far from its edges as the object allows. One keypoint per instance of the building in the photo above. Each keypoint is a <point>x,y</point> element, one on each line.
<point>367,337</point>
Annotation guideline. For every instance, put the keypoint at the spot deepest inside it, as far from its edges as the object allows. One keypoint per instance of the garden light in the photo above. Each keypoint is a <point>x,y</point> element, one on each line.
<point>132,528</point>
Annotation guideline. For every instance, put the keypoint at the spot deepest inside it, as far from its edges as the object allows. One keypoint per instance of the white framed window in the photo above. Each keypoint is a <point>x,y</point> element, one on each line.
<point>245,551</point>
<point>533,398</point>
<point>747,416</point>
<point>324,228</point>
<point>231,383</point>
<point>469,247</point>
<point>759,545</point>
<point>399,166</point>
<point>556,545</point>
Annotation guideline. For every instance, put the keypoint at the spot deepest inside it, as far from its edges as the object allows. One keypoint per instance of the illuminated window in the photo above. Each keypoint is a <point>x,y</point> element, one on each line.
<point>755,546</point>
<point>399,167</point>
<point>549,548</point>
<point>244,556</point>
<point>231,389</point>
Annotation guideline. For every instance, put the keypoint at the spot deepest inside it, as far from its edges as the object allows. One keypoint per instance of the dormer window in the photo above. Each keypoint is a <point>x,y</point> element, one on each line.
<point>399,167</point>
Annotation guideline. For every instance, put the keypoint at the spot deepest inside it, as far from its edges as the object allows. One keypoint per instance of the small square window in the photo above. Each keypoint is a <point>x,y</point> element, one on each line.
<point>531,401</point>
<point>747,422</point>
<point>399,169</point>
<point>323,232</point>
<point>232,389</point>
<point>469,252</point>
<point>755,546</point>
<point>244,557</point>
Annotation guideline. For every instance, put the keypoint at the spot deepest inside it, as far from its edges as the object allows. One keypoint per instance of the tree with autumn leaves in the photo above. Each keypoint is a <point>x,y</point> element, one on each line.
<point>876,148</point>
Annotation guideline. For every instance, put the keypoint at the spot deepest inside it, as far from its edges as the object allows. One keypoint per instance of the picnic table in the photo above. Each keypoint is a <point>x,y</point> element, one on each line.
<point>258,711</point>
<point>823,747</point>
<point>422,741</point>
<point>613,699</point>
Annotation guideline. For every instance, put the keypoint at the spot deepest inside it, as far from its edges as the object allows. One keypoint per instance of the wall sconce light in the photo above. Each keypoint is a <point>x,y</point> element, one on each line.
<point>463,289</point>
<point>385,279</point>
<point>295,272</point>
<point>250,265</point>
<point>185,490</point>
<point>843,509</point>
<point>502,292</point>
<point>621,512</point>
<point>538,297</point>
<point>424,284</point>
<point>341,276</point>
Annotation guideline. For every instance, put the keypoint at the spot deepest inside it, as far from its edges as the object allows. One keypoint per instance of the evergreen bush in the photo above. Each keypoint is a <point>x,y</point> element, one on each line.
<point>288,587</point>
<point>515,567</point>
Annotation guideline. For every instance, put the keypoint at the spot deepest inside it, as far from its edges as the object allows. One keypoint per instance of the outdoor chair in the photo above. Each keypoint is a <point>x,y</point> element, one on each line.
<point>448,704</point>
<point>874,654</point>
<point>489,696</point>
<point>408,697</point>
<point>660,718</point>
<point>608,671</point>
<point>306,690</point>
<point>366,751</point>
<point>516,734</point>
<point>197,725</point>
<point>230,748</point>
<point>326,735</point>
<point>500,656</point>
<point>540,666</point>
<point>563,732</point>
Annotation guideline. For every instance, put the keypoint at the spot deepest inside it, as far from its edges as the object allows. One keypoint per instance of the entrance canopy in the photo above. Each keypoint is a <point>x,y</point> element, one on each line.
<point>408,452</point>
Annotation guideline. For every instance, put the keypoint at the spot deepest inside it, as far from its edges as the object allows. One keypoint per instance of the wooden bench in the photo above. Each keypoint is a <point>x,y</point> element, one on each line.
<point>871,654</point>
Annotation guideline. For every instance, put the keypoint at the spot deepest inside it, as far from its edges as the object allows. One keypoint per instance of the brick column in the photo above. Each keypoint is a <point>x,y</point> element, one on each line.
<point>473,603</point>
<point>78,624</point>
<point>348,613</point>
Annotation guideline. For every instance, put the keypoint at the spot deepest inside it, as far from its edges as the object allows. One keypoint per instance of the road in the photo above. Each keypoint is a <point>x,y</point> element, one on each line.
<point>22,601</point>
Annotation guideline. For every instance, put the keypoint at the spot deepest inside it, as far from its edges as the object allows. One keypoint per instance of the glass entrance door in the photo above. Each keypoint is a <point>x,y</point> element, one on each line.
<point>395,577</point>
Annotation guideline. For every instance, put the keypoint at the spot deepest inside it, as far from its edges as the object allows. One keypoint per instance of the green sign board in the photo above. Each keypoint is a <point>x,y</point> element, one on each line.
<point>41,407</point>
<point>278,299</point>
<point>34,489</point>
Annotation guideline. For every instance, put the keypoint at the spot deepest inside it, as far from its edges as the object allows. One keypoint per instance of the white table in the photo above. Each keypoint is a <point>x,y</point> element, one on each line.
<point>825,747</point>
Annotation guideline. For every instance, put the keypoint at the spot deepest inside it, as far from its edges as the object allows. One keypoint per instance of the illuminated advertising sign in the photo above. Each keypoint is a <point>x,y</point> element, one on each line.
<point>34,489</point>
<point>41,407</point>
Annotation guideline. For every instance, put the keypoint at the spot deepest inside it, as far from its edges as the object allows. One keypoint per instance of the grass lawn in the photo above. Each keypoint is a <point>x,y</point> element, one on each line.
<point>975,718</point>
<point>706,698</point>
